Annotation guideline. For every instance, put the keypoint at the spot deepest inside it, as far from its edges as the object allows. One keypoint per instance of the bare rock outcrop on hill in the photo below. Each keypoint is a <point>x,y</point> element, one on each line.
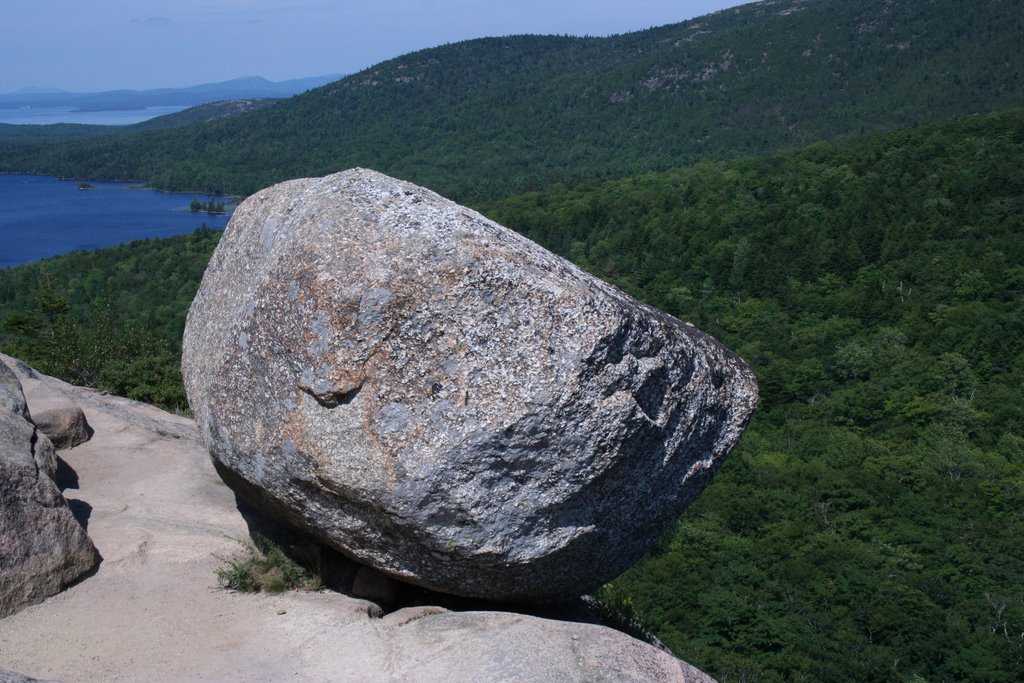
<point>444,400</point>
<point>43,548</point>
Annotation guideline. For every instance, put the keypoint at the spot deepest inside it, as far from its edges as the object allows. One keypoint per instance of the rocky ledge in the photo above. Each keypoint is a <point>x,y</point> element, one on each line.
<point>160,518</point>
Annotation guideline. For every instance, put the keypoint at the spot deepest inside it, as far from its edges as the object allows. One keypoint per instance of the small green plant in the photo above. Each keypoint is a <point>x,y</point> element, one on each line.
<point>617,611</point>
<point>264,566</point>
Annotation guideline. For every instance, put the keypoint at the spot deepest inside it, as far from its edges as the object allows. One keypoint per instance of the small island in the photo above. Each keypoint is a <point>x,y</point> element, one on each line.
<point>211,206</point>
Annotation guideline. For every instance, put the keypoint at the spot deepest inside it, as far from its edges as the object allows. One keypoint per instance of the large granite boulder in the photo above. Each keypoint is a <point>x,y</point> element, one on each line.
<point>42,547</point>
<point>444,400</point>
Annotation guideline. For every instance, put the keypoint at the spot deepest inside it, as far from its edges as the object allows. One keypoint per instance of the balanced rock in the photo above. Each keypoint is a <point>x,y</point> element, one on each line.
<point>442,399</point>
<point>43,548</point>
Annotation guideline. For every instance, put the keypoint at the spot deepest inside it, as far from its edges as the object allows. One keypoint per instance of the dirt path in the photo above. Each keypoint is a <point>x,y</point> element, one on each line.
<point>159,515</point>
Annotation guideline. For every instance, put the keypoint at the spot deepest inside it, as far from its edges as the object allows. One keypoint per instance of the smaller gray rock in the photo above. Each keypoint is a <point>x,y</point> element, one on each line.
<point>43,548</point>
<point>15,419</point>
<point>62,421</point>
<point>45,455</point>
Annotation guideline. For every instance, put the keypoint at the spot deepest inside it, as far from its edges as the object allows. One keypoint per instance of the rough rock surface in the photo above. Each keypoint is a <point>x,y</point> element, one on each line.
<point>444,400</point>
<point>162,518</point>
<point>43,548</point>
<point>15,677</point>
<point>63,422</point>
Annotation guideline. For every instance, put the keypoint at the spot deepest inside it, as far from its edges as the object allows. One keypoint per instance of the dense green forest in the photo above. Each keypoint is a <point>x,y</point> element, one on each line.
<point>833,189</point>
<point>109,318</point>
<point>869,525</point>
<point>490,118</point>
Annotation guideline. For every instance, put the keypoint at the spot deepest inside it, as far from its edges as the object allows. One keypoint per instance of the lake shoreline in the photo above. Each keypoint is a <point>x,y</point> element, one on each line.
<point>114,118</point>
<point>46,216</point>
<point>133,184</point>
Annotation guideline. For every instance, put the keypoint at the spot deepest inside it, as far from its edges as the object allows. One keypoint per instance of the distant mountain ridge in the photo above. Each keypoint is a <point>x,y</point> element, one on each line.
<point>246,87</point>
<point>493,117</point>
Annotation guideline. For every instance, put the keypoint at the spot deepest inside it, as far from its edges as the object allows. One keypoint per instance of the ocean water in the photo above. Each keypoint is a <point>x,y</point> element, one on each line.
<point>42,216</point>
<point>45,115</point>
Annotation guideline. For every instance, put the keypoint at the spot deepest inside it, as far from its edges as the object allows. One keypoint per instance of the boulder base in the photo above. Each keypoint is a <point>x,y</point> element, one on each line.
<point>442,399</point>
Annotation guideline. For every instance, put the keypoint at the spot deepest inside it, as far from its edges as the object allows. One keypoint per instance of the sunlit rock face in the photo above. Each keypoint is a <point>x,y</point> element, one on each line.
<point>444,400</point>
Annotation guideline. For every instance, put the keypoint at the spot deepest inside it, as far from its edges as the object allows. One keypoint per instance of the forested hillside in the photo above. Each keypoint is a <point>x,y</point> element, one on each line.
<point>110,318</point>
<point>869,526</point>
<point>488,118</point>
<point>14,136</point>
<point>833,189</point>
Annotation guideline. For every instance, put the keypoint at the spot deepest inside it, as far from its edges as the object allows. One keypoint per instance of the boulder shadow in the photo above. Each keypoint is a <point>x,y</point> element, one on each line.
<point>81,511</point>
<point>336,571</point>
<point>574,610</point>
<point>344,575</point>
<point>349,577</point>
<point>65,477</point>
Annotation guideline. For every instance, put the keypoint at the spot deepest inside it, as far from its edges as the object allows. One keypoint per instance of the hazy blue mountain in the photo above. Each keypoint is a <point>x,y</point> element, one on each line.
<point>38,91</point>
<point>247,87</point>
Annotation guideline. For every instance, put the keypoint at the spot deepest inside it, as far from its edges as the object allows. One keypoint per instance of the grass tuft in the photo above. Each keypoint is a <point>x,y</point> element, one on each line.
<point>264,567</point>
<point>618,611</point>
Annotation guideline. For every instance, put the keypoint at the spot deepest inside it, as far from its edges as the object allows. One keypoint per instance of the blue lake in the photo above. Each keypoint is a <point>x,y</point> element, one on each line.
<point>112,117</point>
<point>42,217</point>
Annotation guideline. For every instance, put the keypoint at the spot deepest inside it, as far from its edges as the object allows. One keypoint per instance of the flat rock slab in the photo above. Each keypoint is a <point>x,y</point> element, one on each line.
<point>160,517</point>
<point>444,400</point>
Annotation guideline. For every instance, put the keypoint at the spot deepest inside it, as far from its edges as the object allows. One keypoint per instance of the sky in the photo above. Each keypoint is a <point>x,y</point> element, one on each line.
<point>143,44</point>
